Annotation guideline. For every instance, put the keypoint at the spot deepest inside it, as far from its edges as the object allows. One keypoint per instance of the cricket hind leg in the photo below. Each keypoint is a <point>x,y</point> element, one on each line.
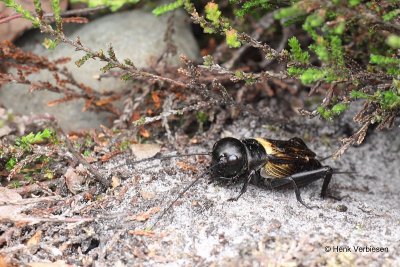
<point>324,191</point>
<point>304,178</point>
<point>327,180</point>
<point>291,181</point>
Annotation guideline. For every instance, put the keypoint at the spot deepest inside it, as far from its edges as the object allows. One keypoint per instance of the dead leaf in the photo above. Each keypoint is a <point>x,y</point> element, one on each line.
<point>12,212</point>
<point>149,112</point>
<point>59,263</point>
<point>156,98</point>
<point>5,130</point>
<point>60,101</point>
<point>106,101</point>
<point>147,195</point>
<point>73,180</point>
<point>119,264</point>
<point>108,156</point>
<point>135,116</point>
<point>5,261</point>
<point>186,167</point>
<point>88,196</point>
<point>90,159</point>
<point>10,30</point>
<point>144,151</point>
<point>141,232</point>
<point>8,196</point>
<point>115,181</point>
<point>77,20</point>
<point>143,132</point>
<point>144,216</point>
<point>35,239</point>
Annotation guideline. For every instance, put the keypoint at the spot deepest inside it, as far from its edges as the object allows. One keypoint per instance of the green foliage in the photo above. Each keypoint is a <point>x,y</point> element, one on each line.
<point>232,39</point>
<point>25,13</point>
<point>295,71</point>
<point>390,64</point>
<point>126,76</point>
<point>11,163</point>
<point>248,7</point>
<point>246,77</point>
<point>321,50</point>
<point>107,67</point>
<point>87,153</point>
<point>388,100</point>
<point>353,3</point>
<point>167,7</point>
<point>339,28</point>
<point>391,15</point>
<point>296,53</point>
<point>128,62</point>
<point>393,41</point>
<point>83,59</point>
<point>382,60</point>
<point>139,122</point>
<point>26,141</point>
<point>50,44</point>
<point>38,7</point>
<point>337,50</point>
<point>55,5</point>
<point>202,117</point>
<point>289,12</point>
<point>15,184</point>
<point>114,5</point>
<point>208,60</point>
<point>212,13</point>
<point>336,110</point>
<point>124,145</point>
<point>327,45</point>
<point>312,75</point>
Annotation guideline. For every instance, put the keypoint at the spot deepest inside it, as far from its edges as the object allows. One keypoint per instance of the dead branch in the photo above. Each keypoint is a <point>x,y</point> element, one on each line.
<point>50,16</point>
<point>34,188</point>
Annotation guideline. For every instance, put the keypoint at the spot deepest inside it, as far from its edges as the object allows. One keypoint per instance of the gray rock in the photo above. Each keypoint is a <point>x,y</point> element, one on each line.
<point>136,35</point>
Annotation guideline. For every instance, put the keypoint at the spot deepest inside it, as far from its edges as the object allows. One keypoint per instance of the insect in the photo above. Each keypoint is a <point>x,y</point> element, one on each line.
<point>264,162</point>
<point>270,163</point>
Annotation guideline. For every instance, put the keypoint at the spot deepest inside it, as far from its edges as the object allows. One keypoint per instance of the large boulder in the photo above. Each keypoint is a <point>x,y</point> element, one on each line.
<point>136,35</point>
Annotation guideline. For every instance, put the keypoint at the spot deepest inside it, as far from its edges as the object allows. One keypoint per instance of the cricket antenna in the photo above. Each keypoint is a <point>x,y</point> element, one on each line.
<point>325,158</point>
<point>181,194</point>
<point>161,157</point>
<point>337,171</point>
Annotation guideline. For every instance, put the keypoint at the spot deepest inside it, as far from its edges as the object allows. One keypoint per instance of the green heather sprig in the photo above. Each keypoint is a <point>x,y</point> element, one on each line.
<point>162,9</point>
<point>21,10</point>
<point>250,6</point>
<point>114,5</point>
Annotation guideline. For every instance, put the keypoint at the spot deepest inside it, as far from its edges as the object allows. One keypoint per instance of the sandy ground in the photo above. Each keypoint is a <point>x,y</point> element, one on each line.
<point>270,227</point>
<point>263,228</point>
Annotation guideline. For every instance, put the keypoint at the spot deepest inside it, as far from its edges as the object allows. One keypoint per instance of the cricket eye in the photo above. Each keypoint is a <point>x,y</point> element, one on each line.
<point>232,158</point>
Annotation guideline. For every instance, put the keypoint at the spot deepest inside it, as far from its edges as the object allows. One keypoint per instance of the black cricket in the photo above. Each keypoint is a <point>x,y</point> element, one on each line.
<point>264,162</point>
<point>269,163</point>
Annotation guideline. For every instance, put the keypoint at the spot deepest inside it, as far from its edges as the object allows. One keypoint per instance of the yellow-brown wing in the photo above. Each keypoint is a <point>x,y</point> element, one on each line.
<point>287,157</point>
<point>277,170</point>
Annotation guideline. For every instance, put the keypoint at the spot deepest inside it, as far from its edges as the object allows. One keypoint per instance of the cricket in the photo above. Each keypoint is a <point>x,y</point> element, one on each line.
<point>266,163</point>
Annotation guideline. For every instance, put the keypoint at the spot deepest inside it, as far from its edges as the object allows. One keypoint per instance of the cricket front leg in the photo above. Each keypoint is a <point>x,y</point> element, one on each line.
<point>244,188</point>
